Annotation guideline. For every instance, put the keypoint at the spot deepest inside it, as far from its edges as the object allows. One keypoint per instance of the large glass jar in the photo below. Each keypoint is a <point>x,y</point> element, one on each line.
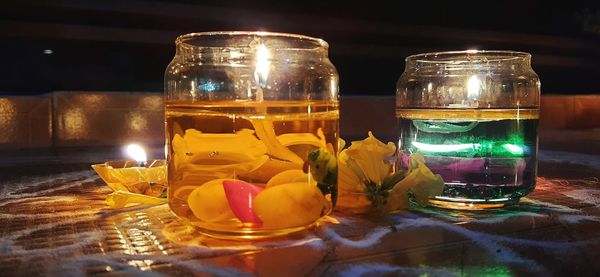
<point>251,132</point>
<point>474,116</point>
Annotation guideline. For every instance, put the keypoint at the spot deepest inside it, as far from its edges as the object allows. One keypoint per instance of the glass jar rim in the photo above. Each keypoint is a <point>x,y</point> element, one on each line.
<point>450,57</point>
<point>185,38</point>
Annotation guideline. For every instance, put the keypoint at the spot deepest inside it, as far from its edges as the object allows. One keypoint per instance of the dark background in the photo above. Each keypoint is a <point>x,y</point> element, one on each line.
<point>125,45</point>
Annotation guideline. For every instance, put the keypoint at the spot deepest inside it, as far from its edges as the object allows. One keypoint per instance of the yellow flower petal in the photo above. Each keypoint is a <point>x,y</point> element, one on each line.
<point>203,148</point>
<point>266,132</point>
<point>398,195</point>
<point>200,157</point>
<point>269,169</point>
<point>353,202</point>
<point>427,184</point>
<point>289,176</point>
<point>385,150</point>
<point>300,138</point>
<point>372,166</point>
<point>420,180</point>
<point>369,159</point>
<point>341,144</point>
<point>179,149</point>
<point>211,171</point>
<point>347,179</point>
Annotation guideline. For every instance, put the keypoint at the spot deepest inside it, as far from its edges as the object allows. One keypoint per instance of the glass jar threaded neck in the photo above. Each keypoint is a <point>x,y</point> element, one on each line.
<point>469,60</point>
<point>240,46</point>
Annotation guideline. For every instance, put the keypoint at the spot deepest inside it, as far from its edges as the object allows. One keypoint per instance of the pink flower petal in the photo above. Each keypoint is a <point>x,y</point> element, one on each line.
<point>240,196</point>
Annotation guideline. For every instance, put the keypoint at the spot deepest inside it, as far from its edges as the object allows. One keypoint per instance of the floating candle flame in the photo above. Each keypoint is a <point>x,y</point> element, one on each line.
<point>473,88</point>
<point>137,153</point>
<point>262,66</point>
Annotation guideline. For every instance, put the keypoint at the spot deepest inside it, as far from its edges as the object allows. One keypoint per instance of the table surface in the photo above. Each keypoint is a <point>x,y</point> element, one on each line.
<point>59,224</point>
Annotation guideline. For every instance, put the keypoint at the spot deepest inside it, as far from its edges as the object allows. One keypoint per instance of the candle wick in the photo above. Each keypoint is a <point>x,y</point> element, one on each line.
<point>259,94</point>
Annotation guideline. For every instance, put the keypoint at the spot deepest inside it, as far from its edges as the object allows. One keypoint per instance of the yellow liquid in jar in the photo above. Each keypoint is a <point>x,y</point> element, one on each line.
<point>214,146</point>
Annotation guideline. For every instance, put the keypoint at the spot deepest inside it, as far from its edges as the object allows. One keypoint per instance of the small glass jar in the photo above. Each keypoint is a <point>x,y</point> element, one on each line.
<point>474,116</point>
<point>251,132</point>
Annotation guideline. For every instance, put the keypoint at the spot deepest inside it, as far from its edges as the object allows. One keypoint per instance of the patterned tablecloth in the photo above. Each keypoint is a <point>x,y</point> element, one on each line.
<point>60,225</point>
